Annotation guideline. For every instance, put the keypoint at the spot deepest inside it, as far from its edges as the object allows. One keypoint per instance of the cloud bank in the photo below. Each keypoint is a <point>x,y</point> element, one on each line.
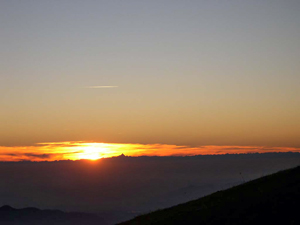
<point>53,151</point>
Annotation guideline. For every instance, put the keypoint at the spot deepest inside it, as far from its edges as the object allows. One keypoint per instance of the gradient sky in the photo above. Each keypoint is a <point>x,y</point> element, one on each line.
<point>171,72</point>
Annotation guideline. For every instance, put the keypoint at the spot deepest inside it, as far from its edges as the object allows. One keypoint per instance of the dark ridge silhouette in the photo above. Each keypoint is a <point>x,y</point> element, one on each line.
<point>35,216</point>
<point>272,199</point>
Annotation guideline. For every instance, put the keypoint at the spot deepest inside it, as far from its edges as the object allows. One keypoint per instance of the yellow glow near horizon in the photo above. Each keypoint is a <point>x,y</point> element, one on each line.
<point>91,152</point>
<point>52,151</point>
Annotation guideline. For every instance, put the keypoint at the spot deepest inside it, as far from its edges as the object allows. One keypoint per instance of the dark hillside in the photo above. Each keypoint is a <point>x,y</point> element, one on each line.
<point>272,199</point>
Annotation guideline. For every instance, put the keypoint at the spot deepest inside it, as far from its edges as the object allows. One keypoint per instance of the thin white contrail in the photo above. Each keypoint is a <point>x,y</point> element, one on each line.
<point>101,87</point>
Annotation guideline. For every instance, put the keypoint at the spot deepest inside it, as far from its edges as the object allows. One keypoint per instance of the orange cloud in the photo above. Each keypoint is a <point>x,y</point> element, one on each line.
<point>52,151</point>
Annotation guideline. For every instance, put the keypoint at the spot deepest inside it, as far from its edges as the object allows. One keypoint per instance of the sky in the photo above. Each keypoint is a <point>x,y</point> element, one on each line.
<point>184,73</point>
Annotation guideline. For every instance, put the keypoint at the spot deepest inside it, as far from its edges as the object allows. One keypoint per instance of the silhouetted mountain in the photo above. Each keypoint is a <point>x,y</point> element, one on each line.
<point>35,216</point>
<point>272,199</point>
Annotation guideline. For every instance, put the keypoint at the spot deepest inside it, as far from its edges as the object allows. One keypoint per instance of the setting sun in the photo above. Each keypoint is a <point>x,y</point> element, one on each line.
<point>92,153</point>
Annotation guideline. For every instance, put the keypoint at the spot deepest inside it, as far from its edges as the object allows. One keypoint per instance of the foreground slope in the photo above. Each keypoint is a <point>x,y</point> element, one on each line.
<point>272,199</point>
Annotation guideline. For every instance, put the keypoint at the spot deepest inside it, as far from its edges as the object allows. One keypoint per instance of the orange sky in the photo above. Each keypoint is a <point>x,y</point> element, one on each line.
<point>182,73</point>
<point>81,150</point>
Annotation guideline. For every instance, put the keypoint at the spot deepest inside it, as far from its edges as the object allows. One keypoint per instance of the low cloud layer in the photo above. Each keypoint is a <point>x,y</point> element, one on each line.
<point>53,151</point>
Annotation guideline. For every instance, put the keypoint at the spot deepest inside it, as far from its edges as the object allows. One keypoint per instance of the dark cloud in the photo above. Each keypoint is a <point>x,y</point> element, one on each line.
<point>10,154</point>
<point>41,156</point>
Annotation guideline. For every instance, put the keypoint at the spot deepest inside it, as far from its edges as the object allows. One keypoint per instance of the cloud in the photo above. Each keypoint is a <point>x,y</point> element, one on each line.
<point>101,86</point>
<point>72,150</point>
<point>41,156</point>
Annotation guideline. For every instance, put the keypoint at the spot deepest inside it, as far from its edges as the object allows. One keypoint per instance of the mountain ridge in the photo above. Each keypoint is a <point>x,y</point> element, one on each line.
<point>35,216</point>
<point>271,199</point>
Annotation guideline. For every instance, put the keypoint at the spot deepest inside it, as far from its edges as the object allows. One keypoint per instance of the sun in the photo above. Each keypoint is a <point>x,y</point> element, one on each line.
<point>91,153</point>
<point>94,151</point>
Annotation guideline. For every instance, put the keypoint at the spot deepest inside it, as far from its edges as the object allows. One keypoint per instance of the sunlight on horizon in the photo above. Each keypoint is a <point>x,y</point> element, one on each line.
<point>91,152</point>
<point>55,151</point>
<point>94,151</point>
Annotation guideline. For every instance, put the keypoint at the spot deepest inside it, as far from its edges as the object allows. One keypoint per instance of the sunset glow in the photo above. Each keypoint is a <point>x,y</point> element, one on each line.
<point>119,108</point>
<point>181,77</point>
<point>90,150</point>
